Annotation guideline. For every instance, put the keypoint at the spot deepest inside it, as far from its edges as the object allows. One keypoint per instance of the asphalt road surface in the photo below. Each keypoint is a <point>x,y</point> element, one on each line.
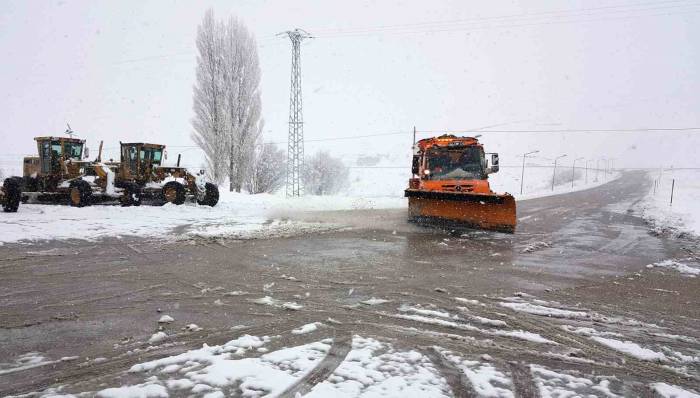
<point>582,252</point>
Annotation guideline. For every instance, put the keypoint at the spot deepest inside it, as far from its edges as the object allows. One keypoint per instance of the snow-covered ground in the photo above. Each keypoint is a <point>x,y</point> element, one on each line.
<point>245,216</point>
<point>236,216</point>
<point>256,366</point>
<point>683,215</point>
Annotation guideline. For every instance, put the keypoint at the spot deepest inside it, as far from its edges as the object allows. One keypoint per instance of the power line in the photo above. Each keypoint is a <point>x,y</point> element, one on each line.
<point>570,12</point>
<point>691,8</point>
<point>635,130</point>
<point>457,24</point>
<point>454,131</point>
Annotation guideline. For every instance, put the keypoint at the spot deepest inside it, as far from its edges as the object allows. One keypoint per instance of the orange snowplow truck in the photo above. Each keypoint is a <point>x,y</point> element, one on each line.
<point>450,186</point>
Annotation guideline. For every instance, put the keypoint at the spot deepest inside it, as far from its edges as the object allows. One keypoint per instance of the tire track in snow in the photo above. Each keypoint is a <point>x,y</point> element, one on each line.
<point>342,344</point>
<point>593,349</point>
<point>523,385</point>
<point>455,378</point>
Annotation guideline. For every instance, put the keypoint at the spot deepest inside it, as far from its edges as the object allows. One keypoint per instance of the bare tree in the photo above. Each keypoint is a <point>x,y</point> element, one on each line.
<point>324,174</point>
<point>267,169</point>
<point>227,103</point>
<point>209,122</point>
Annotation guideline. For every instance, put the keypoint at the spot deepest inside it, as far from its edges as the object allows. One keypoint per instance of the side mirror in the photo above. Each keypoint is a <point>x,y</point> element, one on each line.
<point>494,163</point>
<point>87,153</point>
<point>415,168</point>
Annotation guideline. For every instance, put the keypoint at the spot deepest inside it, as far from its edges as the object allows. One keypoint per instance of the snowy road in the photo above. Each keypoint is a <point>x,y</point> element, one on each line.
<point>565,307</point>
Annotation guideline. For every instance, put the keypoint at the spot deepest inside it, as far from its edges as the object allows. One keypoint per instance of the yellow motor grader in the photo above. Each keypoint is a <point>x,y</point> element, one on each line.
<point>60,174</point>
<point>143,175</point>
<point>55,175</point>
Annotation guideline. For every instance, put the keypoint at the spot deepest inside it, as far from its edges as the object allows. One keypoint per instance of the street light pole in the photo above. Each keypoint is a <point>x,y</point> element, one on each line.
<point>554,175</point>
<point>573,171</point>
<point>522,176</point>
<point>590,160</point>
<point>597,169</point>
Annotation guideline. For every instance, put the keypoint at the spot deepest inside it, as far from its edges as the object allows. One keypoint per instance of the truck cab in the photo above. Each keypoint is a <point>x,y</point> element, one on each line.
<point>449,163</point>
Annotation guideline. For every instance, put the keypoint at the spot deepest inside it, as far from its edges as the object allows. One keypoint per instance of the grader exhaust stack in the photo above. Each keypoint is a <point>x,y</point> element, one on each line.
<point>450,186</point>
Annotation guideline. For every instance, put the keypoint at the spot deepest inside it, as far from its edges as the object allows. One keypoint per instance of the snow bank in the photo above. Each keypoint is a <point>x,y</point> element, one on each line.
<point>681,217</point>
<point>238,216</point>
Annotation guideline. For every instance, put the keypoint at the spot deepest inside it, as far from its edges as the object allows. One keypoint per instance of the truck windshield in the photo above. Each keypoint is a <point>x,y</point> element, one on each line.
<point>455,164</point>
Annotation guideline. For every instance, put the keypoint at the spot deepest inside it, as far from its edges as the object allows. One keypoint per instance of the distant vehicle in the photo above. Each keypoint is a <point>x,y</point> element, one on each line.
<point>10,194</point>
<point>60,174</point>
<point>450,186</point>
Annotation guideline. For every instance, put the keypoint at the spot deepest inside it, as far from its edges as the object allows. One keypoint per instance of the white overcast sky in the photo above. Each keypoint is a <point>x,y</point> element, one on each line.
<point>123,70</point>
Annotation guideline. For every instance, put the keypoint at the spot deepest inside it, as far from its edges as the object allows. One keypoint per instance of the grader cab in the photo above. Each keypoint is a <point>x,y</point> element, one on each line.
<point>138,161</point>
<point>60,159</point>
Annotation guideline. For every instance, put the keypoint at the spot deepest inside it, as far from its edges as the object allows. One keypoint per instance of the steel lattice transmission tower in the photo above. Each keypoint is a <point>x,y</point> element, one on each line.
<point>295,142</point>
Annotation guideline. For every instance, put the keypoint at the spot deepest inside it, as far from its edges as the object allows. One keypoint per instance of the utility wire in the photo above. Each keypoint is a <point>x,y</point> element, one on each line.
<point>469,28</point>
<point>475,130</point>
<point>458,24</point>
<point>523,16</point>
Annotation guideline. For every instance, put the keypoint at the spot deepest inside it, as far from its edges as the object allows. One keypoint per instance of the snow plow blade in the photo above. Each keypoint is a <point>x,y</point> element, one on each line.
<point>470,210</point>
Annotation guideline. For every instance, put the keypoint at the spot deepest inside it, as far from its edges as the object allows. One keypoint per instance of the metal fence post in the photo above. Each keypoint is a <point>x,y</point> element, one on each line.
<point>673,185</point>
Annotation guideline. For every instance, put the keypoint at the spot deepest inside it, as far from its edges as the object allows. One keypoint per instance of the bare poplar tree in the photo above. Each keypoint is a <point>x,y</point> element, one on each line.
<point>324,175</point>
<point>243,99</point>
<point>267,169</point>
<point>231,116</point>
<point>209,122</point>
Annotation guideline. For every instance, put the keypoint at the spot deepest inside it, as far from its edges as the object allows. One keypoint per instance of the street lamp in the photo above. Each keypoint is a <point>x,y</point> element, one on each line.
<point>597,168</point>
<point>573,171</point>
<point>590,160</point>
<point>522,176</point>
<point>555,169</point>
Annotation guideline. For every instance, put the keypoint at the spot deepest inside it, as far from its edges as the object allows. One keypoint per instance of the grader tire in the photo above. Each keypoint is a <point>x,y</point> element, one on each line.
<point>174,192</point>
<point>211,195</point>
<point>80,194</point>
<point>131,195</point>
<point>12,188</point>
